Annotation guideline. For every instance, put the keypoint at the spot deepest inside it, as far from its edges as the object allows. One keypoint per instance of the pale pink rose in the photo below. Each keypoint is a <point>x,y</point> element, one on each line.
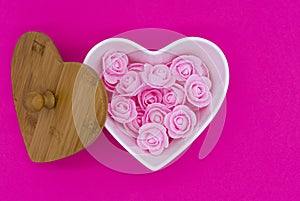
<point>158,76</point>
<point>114,66</point>
<point>184,66</point>
<point>197,91</point>
<point>122,109</point>
<point>137,67</point>
<point>155,113</point>
<point>148,96</point>
<point>130,84</point>
<point>132,127</point>
<point>153,137</point>
<point>180,122</point>
<point>173,96</point>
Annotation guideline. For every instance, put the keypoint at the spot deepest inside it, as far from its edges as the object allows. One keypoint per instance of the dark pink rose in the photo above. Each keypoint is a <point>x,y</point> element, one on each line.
<point>153,137</point>
<point>130,84</point>
<point>197,91</point>
<point>158,76</point>
<point>184,66</point>
<point>122,109</point>
<point>173,96</point>
<point>148,96</point>
<point>137,67</point>
<point>132,127</point>
<point>114,66</point>
<point>180,122</point>
<point>155,113</point>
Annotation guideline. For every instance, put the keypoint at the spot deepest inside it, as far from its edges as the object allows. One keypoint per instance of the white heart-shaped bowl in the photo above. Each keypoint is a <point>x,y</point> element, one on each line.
<point>207,51</point>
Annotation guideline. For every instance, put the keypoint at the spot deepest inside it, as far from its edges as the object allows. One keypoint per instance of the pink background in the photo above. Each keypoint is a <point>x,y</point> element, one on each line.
<point>257,157</point>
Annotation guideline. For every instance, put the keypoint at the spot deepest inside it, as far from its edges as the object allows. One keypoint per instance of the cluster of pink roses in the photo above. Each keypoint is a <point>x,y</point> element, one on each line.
<point>156,103</point>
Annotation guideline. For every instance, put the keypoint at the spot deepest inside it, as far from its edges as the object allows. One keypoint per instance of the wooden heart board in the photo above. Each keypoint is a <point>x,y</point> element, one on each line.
<point>61,106</point>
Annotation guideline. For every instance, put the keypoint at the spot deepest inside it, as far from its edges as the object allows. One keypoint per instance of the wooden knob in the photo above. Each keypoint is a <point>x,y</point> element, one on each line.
<point>35,101</point>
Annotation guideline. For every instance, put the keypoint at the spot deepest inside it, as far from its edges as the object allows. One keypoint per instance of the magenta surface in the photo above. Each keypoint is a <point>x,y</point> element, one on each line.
<point>257,156</point>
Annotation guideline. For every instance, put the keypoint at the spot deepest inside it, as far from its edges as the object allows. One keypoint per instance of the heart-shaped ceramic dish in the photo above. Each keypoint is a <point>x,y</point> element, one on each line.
<point>207,51</point>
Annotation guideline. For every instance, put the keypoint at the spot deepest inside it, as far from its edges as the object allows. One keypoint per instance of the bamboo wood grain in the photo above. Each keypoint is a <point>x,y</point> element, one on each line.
<point>61,106</point>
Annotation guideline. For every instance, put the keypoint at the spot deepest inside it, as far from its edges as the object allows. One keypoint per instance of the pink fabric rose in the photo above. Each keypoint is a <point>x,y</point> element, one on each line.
<point>197,91</point>
<point>149,96</point>
<point>137,67</point>
<point>158,76</point>
<point>173,96</point>
<point>132,127</point>
<point>153,137</point>
<point>129,84</point>
<point>155,113</point>
<point>114,66</point>
<point>180,122</point>
<point>184,66</point>
<point>122,109</point>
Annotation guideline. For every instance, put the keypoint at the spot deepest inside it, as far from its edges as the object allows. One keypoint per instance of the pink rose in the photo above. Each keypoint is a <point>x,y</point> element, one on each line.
<point>153,137</point>
<point>137,67</point>
<point>149,96</point>
<point>129,84</point>
<point>173,96</point>
<point>155,113</point>
<point>158,76</point>
<point>186,65</point>
<point>114,66</point>
<point>122,109</point>
<point>197,91</point>
<point>132,127</point>
<point>180,122</point>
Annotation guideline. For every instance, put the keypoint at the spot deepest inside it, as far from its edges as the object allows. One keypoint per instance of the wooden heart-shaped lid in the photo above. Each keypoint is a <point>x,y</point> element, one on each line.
<point>61,106</point>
